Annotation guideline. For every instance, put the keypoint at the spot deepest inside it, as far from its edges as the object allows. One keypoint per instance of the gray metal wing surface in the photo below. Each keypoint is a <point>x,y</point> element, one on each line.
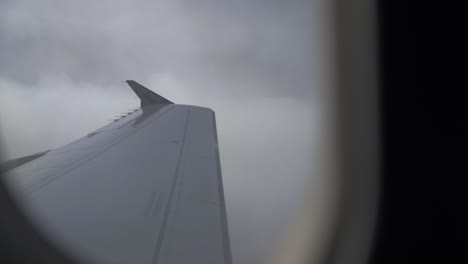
<point>146,188</point>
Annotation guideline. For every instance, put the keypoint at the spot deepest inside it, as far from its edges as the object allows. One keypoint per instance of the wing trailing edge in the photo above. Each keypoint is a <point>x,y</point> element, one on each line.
<point>147,97</point>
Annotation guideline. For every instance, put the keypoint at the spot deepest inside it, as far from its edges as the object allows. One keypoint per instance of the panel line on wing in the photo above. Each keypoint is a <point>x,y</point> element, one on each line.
<point>65,171</point>
<point>162,231</point>
<point>154,204</point>
<point>224,224</point>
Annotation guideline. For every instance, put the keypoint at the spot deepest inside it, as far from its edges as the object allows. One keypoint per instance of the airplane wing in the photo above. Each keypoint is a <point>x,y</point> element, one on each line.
<point>146,188</point>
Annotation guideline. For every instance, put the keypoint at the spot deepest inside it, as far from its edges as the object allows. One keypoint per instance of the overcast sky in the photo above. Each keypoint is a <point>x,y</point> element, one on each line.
<point>259,64</point>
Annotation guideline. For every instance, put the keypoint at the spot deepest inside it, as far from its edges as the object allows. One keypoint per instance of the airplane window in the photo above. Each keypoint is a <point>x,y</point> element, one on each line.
<point>245,89</point>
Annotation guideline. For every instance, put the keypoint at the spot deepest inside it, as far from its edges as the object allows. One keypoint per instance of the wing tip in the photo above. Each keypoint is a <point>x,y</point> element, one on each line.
<point>147,97</point>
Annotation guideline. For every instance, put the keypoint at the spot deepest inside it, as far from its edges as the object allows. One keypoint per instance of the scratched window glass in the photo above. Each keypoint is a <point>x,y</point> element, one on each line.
<point>169,131</point>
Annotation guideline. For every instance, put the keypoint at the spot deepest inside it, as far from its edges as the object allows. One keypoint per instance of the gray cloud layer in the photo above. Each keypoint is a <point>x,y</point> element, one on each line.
<point>256,63</point>
<point>222,45</point>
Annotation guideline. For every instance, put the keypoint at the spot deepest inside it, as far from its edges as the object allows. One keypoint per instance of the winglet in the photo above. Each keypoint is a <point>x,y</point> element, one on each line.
<point>147,97</point>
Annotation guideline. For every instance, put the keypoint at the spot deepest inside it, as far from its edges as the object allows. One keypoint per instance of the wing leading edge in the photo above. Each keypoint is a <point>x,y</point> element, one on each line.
<point>144,189</point>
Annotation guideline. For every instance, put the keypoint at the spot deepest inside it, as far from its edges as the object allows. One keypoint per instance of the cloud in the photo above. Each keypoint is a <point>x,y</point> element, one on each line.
<point>54,112</point>
<point>256,63</point>
<point>218,44</point>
